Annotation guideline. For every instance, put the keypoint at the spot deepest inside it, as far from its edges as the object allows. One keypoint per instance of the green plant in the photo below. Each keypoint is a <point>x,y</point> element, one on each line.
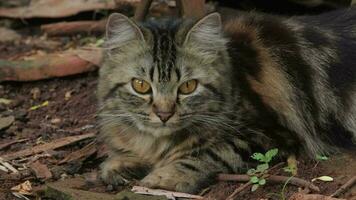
<point>321,157</point>
<point>256,174</point>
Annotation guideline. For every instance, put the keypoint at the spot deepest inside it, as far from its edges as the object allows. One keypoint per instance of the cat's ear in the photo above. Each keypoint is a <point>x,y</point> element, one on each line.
<point>120,30</point>
<point>207,32</point>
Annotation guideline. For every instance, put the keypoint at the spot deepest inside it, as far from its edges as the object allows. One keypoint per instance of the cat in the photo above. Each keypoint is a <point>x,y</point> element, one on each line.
<point>183,100</point>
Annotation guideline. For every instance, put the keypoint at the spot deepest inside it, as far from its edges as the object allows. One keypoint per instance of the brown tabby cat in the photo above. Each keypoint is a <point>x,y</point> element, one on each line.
<point>183,101</point>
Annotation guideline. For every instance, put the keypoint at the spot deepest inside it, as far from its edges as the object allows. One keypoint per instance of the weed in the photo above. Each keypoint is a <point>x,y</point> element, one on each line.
<point>256,174</point>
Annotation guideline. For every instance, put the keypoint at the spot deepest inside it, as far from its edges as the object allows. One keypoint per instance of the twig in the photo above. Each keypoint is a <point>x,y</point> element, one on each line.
<point>344,187</point>
<point>301,196</point>
<point>8,166</point>
<point>48,146</point>
<point>238,190</point>
<point>271,179</point>
<point>2,168</point>
<point>168,194</point>
<point>246,185</point>
<point>7,144</point>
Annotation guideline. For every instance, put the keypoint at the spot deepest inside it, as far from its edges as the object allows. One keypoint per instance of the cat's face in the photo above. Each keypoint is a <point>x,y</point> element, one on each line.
<point>163,77</point>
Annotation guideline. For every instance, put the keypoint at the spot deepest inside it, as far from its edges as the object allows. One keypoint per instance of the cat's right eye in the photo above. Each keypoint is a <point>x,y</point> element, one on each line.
<point>141,86</point>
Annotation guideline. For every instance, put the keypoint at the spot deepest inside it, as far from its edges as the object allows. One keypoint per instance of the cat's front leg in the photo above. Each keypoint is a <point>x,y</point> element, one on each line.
<point>192,173</point>
<point>119,169</point>
<point>178,177</point>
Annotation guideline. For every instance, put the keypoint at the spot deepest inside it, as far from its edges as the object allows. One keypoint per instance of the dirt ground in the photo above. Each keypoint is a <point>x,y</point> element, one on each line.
<point>46,110</point>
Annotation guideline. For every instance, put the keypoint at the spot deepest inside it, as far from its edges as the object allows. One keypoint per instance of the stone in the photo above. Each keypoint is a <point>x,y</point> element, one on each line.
<point>6,122</point>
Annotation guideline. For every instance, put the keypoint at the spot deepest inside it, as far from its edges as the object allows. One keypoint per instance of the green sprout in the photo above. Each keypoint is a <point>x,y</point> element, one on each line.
<point>255,174</point>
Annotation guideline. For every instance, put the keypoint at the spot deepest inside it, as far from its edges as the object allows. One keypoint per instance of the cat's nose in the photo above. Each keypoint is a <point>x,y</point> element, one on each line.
<point>164,115</point>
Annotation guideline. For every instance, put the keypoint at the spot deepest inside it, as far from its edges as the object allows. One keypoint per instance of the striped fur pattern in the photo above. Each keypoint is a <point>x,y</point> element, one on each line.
<point>263,82</point>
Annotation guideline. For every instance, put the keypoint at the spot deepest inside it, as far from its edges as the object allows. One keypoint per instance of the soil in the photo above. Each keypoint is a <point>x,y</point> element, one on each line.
<point>71,110</point>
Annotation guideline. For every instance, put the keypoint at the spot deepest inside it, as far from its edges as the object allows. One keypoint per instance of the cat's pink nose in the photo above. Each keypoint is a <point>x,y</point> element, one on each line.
<point>164,116</point>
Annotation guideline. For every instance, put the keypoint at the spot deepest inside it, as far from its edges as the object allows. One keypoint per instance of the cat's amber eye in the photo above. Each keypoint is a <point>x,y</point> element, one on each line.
<point>141,86</point>
<point>188,87</point>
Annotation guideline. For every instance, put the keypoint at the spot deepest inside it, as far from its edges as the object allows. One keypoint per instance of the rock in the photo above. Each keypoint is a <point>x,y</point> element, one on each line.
<point>63,190</point>
<point>128,195</point>
<point>5,122</point>
<point>56,121</point>
<point>41,170</point>
<point>8,35</point>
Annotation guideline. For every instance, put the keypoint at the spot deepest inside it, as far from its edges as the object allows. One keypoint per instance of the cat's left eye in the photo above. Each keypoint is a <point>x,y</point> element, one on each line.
<point>140,86</point>
<point>188,87</point>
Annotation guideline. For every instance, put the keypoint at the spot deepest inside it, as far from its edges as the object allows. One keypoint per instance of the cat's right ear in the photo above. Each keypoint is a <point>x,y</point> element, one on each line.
<point>120,30</point>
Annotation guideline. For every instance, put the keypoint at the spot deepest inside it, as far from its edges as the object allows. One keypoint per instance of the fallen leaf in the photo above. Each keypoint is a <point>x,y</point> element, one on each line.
<point>323,178</point>
<point>5,122</point>
<point>23,188</point>
<point>5,101</point>
<point>56,121</point>
<point>36,92</point>
<point>39,106</point>
<point>68,95</point>
<point>41,170</point>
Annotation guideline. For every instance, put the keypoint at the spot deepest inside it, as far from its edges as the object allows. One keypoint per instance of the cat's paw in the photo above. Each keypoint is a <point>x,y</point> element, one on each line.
<point>112,174</point>
<point>173,182</point>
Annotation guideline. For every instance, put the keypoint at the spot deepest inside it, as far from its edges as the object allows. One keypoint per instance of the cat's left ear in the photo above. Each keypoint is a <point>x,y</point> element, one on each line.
<point>207,32</point>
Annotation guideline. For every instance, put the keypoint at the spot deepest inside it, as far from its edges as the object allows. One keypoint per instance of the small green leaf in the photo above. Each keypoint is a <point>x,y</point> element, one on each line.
<point>262,181</point>
<point>321,158</point>
<point>254,187</point>
<point>251,172</point>
<point>288,169</point>
<point>39,106</point>
<point>258,156</point>
<point>270,154</point>
<point>254,179</point>
<point>262,167</point>
<point>323,178</point>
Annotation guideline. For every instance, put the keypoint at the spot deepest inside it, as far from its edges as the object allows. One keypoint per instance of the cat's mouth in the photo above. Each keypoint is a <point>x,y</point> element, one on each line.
<point>160,128</point>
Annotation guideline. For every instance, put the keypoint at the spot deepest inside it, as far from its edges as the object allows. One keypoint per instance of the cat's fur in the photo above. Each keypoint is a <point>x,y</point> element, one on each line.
<point>264,81</point>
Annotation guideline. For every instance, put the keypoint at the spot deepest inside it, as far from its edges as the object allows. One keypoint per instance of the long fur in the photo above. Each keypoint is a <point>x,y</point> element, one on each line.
<point>263,81</point>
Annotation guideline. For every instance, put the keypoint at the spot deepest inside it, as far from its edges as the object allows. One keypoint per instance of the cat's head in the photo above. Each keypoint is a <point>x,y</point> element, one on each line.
<point>164,76</point>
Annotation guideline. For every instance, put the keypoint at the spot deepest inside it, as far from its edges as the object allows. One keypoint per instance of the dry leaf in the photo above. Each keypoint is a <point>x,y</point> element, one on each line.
<point>23,188</point>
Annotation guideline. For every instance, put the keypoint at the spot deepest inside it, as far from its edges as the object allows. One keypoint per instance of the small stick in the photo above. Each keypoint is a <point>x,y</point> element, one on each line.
<point>271,179</point>
<point>246,185</point>
<point>168,194</point>
<point>8,166</point>
<point>48,146</point>
<point>7,144</point>
<point>2,168</point>
<point>344,187</point>
<point>238,190</point>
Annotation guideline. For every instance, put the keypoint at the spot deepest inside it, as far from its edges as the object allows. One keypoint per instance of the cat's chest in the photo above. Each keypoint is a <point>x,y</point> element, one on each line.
<point>146,147</point>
